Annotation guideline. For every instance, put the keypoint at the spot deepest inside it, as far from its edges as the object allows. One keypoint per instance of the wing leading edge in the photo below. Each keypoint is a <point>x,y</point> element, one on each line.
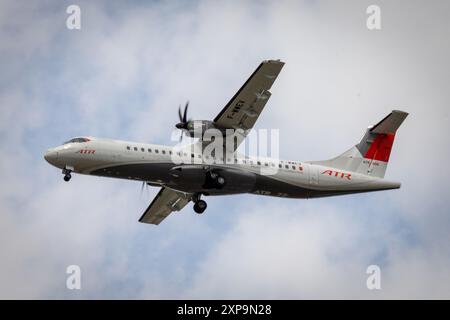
<point>165,202</point>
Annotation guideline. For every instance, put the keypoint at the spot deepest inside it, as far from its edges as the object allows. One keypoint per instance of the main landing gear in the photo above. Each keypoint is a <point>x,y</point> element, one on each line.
<point>199,205</point>
<point>67,175</point>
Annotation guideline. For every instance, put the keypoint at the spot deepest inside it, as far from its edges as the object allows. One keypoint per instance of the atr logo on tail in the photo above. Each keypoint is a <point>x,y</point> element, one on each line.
<point>338,174</point>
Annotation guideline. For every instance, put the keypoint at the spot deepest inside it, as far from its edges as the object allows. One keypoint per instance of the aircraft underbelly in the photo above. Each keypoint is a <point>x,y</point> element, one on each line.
<point>193,179</point>
<point>150,172</point>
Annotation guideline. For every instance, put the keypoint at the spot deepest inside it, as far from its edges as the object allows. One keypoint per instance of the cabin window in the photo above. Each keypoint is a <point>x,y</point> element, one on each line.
<point>280,166</point>
<point>293,167</point>
<point>142,149</point>
<point>192,155</point>
<point>286,166</point>
<point>266,164</point>
<point>164,152</point>
<point>135,148</point>
<point>156,151</point>
<point>259,163</point>
<point>128,148</point>
<point>170,152</point>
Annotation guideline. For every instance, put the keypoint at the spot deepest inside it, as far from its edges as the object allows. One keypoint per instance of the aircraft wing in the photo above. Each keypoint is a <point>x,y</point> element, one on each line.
<point>242,111</point>
<point>165,202</point>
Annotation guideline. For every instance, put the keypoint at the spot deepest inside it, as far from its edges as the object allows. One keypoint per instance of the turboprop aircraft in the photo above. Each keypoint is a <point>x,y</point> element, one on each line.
<point>187,173</point>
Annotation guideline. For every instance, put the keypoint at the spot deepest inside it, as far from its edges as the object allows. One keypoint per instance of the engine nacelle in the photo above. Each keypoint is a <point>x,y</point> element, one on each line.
<point>197,128</point>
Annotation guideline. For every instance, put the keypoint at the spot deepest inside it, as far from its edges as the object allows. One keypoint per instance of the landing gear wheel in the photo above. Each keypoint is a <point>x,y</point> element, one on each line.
<point>66,172</point>
<point>200,206</point>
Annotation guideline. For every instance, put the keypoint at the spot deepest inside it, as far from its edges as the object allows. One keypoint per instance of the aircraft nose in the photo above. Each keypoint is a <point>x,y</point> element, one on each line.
<point>51,156</point>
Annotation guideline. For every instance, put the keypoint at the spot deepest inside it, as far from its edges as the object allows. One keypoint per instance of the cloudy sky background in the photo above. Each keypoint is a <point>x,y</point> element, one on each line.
<point>123,76</point>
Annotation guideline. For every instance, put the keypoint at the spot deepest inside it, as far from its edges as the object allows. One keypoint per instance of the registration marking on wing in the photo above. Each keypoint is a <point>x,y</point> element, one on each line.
<point>236,109</point>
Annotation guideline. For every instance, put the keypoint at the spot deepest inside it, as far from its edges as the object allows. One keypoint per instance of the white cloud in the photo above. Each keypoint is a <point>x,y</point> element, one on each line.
<point>317,251</point>
<point>124,75</point>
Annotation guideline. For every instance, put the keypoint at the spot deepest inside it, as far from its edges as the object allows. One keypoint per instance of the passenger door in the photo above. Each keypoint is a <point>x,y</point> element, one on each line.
<point>313,175</point>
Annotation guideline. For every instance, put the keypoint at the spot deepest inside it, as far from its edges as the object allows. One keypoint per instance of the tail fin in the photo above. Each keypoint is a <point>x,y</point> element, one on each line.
<point>371,155</point>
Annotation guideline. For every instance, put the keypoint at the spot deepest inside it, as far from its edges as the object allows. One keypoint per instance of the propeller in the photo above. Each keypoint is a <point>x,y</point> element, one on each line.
<point>144,185</point>
<point>183,124</point>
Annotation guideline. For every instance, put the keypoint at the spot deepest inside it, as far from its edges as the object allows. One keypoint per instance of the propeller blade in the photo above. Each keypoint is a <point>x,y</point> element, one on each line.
<point>183,124</point>
<point>185,112</point>
<point>144,185</point>
<point>179,114</point>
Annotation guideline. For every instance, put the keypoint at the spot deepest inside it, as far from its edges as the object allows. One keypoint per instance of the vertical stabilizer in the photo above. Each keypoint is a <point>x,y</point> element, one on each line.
<point>371,155</point>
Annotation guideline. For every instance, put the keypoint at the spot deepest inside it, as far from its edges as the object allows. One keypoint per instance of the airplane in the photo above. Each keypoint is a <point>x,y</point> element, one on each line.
<point>196,174</point>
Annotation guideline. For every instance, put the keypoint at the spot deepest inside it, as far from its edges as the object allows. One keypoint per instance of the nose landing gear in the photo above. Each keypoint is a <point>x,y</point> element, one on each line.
<point>67,175</point>
<point>199,205</point>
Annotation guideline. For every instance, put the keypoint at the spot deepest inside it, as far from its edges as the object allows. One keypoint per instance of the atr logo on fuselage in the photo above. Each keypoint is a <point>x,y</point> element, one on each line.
<point>86,151</point>
<point>338,174</point>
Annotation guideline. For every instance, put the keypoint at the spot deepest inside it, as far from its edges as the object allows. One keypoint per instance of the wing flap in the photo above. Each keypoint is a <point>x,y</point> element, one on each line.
<point>165,202</point>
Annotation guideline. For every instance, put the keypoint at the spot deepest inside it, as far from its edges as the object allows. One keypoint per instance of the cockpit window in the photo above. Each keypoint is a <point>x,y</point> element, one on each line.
<point>77,140</point>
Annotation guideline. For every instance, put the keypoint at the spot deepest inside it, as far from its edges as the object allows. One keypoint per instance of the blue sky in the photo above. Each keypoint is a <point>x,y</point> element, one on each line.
<point>123,76</point>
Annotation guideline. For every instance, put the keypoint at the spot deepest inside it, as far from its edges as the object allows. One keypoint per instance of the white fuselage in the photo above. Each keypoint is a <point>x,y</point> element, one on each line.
<point>155,165</point>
